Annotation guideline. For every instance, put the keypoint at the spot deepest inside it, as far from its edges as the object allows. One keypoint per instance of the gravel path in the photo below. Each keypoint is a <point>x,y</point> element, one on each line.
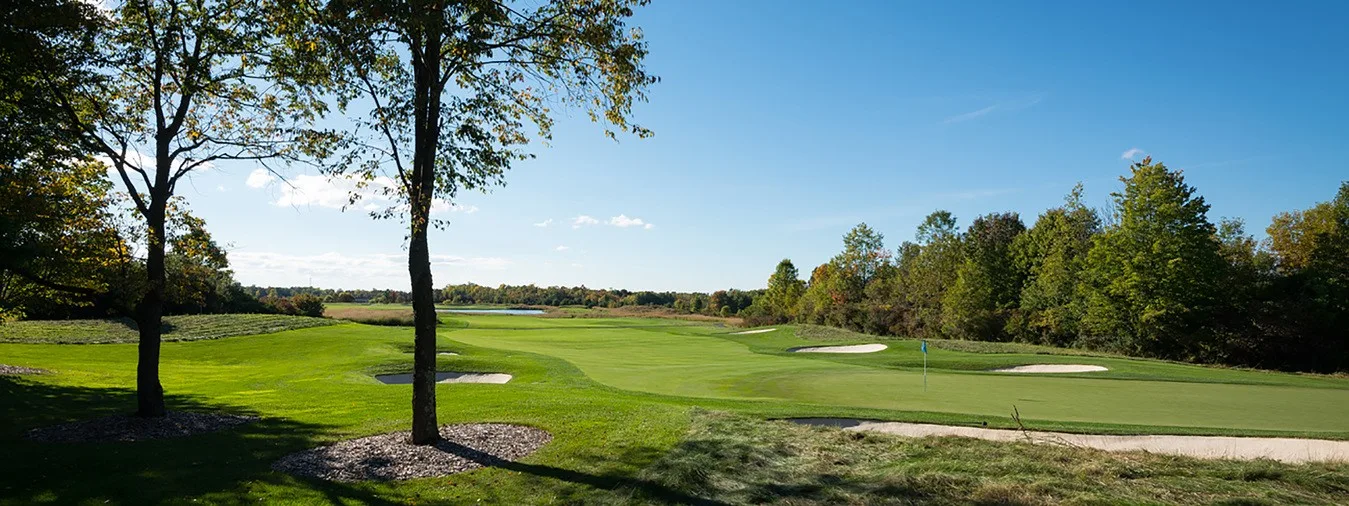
<point>392,457</point>
<point>134,428</point>
<point>1205,447</point>
<point>9,370</point>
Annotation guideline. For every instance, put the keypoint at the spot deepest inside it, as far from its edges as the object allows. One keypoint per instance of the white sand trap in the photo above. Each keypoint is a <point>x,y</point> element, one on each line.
<point>1053,368</point>
<point>756,331</point>
<point>447,377</point>
<point>1205,447</point>
<point>855,348</point>
<point>448,354</point>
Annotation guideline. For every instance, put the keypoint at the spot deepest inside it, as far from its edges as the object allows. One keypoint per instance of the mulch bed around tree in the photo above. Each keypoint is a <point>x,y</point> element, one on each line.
<point>134,428</point>
<point>16,370</point>
<point>393,457</point>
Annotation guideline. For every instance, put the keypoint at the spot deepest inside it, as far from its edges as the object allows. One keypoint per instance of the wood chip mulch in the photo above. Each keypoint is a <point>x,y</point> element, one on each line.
<point>134,428</point>
<point>393,457</point>
<point>8,370</point>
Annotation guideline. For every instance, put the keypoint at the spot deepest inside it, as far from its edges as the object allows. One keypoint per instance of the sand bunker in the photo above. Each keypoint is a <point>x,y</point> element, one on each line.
<point>448,354</point>
<point>756,331</point>
<point>855,348</point>
<point>447,377</point>
<point>1206,447</point>
<point>1053,368</point>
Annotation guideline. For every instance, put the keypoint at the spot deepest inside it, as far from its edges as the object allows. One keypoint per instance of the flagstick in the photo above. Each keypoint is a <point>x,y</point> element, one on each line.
<point>924,366</point>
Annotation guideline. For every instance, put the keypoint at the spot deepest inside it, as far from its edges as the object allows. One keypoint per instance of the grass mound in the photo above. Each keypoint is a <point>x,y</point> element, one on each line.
<point>176,328</point>
<point>741,460</point>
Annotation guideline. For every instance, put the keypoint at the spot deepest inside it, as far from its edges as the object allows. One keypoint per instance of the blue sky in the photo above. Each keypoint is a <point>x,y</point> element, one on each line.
<point>779,125</point>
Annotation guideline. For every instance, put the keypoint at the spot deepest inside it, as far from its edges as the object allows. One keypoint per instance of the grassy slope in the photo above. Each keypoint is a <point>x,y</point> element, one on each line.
<point>743,460</point>
<point>176,328</point>
<point>314,386</point>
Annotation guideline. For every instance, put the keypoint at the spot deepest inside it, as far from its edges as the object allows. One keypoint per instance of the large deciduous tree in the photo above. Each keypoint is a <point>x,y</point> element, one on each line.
<point>177,86</point>
<point>988,283</point>
<point>1152,278</point>
<point>785,288</point>
<point>932,271</point>
<point>448,90</point>
<point>1053,254</point>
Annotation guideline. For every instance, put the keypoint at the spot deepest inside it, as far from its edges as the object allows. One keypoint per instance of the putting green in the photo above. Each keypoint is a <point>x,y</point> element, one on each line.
<point>695,361</point>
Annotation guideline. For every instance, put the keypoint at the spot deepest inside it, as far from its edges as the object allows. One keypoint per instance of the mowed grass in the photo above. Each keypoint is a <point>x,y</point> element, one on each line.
<point>176,328</point>
<point>659,357</point>
<point>642,411</point>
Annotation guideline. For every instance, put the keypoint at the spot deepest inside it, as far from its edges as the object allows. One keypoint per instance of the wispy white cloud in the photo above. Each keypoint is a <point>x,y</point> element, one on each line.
<point>970,115</point>
<point>623,221</point>
<point>259,178</point>
<point>439,206</point>
<point>544,223</point>
<point>339,269</point>
<point>562,248</point>
<point>583,220</point>
<point>336,193</point>
<point>1131,153</point>
<point>1018,104</point>
<point>221,188</point>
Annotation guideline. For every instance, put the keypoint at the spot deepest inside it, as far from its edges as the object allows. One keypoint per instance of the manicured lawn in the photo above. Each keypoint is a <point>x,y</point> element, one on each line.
<point>639,413</point>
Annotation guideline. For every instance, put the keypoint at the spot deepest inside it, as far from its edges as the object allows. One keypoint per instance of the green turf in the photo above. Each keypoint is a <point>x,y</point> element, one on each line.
<point>618,395</point>
<point>176,328</point>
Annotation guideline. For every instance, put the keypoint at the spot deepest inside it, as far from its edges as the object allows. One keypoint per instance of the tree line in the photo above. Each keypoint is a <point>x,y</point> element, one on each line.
<point>719,303</point>
<point>1150,276</point>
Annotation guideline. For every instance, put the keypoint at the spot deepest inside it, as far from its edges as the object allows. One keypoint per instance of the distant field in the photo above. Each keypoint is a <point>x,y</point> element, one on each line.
<point>371,314</point>
<point>176,328</point>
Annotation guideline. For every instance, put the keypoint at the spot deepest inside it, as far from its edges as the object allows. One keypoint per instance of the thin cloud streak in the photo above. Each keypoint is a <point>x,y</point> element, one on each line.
<point>1003,106</point>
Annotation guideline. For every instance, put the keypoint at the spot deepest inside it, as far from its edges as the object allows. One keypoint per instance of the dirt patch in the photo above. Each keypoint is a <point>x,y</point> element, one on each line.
<point>134,428</point>
<point>448,377</point>
<point>393,457</point>
<point>1207,447</point>
<point>1052,368</point>
<point>855,348</point>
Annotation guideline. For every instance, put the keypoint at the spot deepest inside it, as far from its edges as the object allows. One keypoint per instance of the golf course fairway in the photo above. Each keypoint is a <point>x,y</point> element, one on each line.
<point>696,361</point>
<point>624,400</point>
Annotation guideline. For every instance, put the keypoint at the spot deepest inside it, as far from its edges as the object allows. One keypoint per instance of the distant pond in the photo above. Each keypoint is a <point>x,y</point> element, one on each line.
<point>492,311</point>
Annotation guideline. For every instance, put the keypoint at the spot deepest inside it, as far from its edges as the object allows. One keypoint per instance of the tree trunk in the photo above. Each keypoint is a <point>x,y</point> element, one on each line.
<point>149,318</point>
<point>426,106</point>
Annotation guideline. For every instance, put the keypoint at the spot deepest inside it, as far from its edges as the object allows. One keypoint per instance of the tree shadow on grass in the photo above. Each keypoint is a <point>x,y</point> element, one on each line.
<point>228,466</point>
<point>618,485</point>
